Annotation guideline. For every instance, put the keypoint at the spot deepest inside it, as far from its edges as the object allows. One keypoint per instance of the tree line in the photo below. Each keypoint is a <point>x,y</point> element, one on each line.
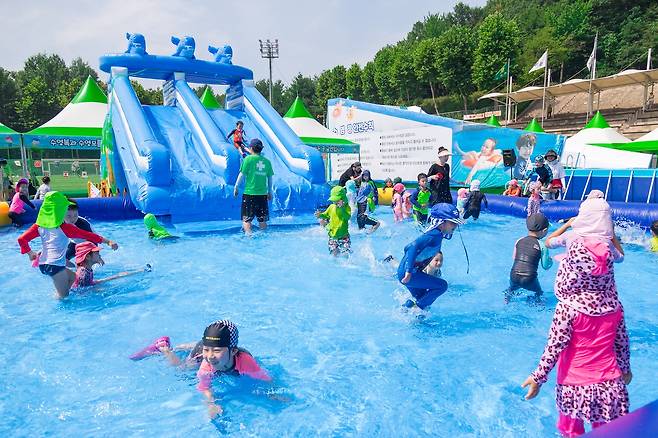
<point>443,64</point>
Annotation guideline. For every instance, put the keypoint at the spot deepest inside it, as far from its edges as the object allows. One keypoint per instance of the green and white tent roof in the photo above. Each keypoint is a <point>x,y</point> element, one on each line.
<point>534,126</point>
<point>312,133</point>
<point>82,117</point>
<point>587,148</point>
<point>8,137</point>
<point>208,99</point>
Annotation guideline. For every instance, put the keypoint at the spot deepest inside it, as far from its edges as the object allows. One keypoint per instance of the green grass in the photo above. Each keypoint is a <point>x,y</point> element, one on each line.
<point>73,186</point>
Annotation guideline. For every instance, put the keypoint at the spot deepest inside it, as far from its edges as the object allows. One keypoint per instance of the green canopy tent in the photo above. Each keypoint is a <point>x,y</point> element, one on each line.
<point>534,126</point>
<point>647,144</point>
<point>312,133</point>
<point>67,147</point>
<point>493,121</point>
<point>208,99</point>
<point>10,150</point>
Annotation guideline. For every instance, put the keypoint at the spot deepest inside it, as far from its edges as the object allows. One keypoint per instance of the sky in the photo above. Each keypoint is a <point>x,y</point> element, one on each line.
<point>313,35</point>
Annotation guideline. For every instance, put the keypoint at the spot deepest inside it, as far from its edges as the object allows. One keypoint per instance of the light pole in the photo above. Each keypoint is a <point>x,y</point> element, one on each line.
<point>270,50</point>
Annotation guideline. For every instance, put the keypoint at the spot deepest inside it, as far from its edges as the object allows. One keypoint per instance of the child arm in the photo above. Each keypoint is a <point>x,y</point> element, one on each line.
<point>237,183</point>
<point>559,337</point>
<point>546,260</point>
<point>557,233</point>
<point>76,233</point>
<point>27,201</point>
<point>119,275</point>
<point>25,239</point>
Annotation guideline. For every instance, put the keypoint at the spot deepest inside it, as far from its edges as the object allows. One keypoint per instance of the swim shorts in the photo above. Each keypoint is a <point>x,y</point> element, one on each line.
<point>255,206</point>
<point>340,246</point>
<point>51,270</point>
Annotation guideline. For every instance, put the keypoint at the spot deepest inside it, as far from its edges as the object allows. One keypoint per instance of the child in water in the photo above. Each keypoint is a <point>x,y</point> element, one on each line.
<point>400,203</point>
<point>155,230</point>
<point>462,196</point>
<point>474,201</point>
<point>513,189</point>
<point>588,339</point>
<point>534,201</point>
<point>55,234</point>
<point>420,200</point>
<point>337,219</point>
<point>529,251</point>
<point>18,202</point>
<point>654,238</point>
<point>216,354</point>
<point>87,255</point>
<point>363,201</point>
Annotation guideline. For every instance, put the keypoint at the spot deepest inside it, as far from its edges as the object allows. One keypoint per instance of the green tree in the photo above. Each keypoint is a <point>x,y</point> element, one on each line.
<point>278,103</point>
<point>464,15</point>
<point>8,98</point>
<point>338,81</point>
<point>386,90</point>
<point>368,86</point>
<point>36,104</point>
<point>498,41</point>
<point>454,61</point>
<point>147,96</point>
<point>424,62</point>
<point>353,83</point>
<point>304,87</point>
<point>432,26</point>
<point>322,90</point>
<point>76,75</point>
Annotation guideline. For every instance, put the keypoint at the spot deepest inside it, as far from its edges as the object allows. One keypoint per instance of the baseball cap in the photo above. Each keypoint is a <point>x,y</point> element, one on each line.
<point>536,222</point>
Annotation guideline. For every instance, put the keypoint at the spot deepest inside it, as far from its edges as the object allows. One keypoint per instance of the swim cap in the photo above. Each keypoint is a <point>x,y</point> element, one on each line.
<point>337,193</point>
<point>536,222</point>
<point>475,185</point>
<point>53,210</point>
<point>462,193</point>
<point>513,183</point>
<point>399,187</point>
<point>221,334</point>
<point>397,180</point>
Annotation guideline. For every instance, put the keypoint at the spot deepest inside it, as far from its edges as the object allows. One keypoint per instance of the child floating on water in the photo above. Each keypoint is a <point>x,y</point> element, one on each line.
<point>400,203</point>
<point>156,231</point>
<point>423,251</point>
<point>529,251</point>
<point>55,234</point>
<point>364,198</point>
<point>337,219</point>
<point>420,200</point>
<point>513,189</point>
<point>588,339</point>
<point>18,202</point>
<point>87,254</point>
<point>654,238</point>
<point>216,354</point>
<point>474,201</point>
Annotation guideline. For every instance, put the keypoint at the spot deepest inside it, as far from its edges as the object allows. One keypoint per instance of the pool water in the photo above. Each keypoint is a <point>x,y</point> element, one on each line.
<point>346,360</point>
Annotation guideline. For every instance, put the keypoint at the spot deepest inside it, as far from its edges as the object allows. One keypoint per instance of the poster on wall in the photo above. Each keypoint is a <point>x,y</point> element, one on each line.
<point>400,153</point>
<point>477,148</point>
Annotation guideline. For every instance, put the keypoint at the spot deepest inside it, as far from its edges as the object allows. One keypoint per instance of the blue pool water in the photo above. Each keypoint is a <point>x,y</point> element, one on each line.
<point>330,332</point>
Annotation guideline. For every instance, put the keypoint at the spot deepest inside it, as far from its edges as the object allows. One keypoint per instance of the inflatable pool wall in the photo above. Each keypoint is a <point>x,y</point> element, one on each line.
<point>175,159</point>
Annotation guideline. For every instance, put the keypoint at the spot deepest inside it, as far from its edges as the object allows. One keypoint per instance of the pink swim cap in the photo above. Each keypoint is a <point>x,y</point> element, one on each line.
<point>399,187</point>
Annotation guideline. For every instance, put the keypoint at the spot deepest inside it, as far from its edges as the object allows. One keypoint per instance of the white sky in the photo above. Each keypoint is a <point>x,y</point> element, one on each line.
<point>313,35</point>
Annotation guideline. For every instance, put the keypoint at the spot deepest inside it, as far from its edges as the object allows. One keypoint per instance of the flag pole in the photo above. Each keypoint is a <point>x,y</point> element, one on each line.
<point>592,76</point>
<point>543,99</point>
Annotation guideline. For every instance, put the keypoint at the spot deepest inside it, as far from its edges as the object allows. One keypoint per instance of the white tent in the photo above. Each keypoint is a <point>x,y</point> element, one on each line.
<point>578,150</point>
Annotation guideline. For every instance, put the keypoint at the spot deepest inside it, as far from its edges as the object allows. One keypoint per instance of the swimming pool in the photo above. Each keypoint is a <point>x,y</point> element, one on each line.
<point>330,332</point>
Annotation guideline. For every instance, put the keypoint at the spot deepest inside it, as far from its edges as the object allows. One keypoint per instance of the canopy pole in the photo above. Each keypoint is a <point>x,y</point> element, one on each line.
<point>23,157</point>
<point>543,99</point>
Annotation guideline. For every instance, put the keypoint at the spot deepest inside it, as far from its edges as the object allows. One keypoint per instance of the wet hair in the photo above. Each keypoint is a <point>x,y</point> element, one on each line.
<point>46,180</point>
<point>239,122</point>
<point>421,175</point>
<point>654,228</point>
<point>73,206</point>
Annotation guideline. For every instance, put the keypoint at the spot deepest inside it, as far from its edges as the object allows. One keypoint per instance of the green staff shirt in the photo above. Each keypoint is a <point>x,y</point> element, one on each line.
<point>256,169</point>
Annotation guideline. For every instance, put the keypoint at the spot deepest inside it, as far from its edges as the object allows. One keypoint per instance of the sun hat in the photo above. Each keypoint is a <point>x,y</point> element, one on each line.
<point>513,183</point>
<point>221,334</point>
<point>82,249</point>
<point>399,187</point>
<point>53,210</point>
<point>338,193</point>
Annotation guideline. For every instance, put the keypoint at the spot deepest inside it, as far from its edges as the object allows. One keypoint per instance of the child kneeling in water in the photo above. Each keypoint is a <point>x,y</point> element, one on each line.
<point>87,255</point>
<point>215,354</point>
<point>529,251</point>
<point>337,220</point>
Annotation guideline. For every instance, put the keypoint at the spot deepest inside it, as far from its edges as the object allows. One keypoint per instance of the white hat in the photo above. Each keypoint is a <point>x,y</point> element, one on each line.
<point>443,152</point>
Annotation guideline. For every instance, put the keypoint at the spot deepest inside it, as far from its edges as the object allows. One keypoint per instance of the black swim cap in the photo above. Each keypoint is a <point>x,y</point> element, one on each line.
<point>536,222</point>
<point>221,334</point>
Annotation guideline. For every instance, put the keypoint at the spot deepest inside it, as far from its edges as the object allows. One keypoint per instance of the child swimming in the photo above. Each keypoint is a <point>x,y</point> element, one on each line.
<point>18,202</point>
<point>87,255</point>
<point>424,288</point>
<point>400,203</point>
<point>474,201</point>
<point>529,251</point>
<point>420,200</point>
<point>588,339</point>
<point>217,353</point>
<point>337,219</point>
<point>654,238</point>
<point>55,234</point>
<point>155,230</point>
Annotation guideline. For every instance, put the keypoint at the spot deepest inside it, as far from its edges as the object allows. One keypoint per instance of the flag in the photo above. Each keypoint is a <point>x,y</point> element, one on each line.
<point>501,74</point>
<point>591,61</point>
<point>541,62</point>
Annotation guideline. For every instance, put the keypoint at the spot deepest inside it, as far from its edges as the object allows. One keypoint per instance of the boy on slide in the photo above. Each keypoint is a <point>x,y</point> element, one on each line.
<point>217,353</point>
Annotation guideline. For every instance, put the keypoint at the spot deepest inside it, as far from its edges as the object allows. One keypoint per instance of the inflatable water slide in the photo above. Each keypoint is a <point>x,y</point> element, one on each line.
<point>175,159</point>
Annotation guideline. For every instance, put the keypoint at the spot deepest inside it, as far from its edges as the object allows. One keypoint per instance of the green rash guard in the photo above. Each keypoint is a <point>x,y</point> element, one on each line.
<point>339,220</point>
<point>423,198</point>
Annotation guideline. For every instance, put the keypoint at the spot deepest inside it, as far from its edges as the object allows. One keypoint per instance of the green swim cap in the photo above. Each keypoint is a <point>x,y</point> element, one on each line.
<point>53,210</point>
<point>158,231</point>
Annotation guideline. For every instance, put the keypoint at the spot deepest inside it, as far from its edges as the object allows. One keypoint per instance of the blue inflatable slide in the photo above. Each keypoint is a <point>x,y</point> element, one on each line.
<point>176,160</point>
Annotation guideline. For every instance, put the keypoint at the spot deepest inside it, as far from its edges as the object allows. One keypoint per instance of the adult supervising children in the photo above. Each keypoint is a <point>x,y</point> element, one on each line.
<point>256,171</point>
<point>439,178</point>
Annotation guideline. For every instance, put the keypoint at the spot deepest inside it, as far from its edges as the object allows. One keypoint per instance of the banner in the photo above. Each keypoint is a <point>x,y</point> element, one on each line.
<point>60,142</point>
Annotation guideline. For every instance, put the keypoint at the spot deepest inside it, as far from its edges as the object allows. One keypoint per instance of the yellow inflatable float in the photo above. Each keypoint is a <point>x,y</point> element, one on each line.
<point>4,214</point>
<point>385,195</point>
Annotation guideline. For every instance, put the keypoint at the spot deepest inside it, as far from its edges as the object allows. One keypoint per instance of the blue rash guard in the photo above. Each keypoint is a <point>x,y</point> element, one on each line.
<point>417,255</point>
